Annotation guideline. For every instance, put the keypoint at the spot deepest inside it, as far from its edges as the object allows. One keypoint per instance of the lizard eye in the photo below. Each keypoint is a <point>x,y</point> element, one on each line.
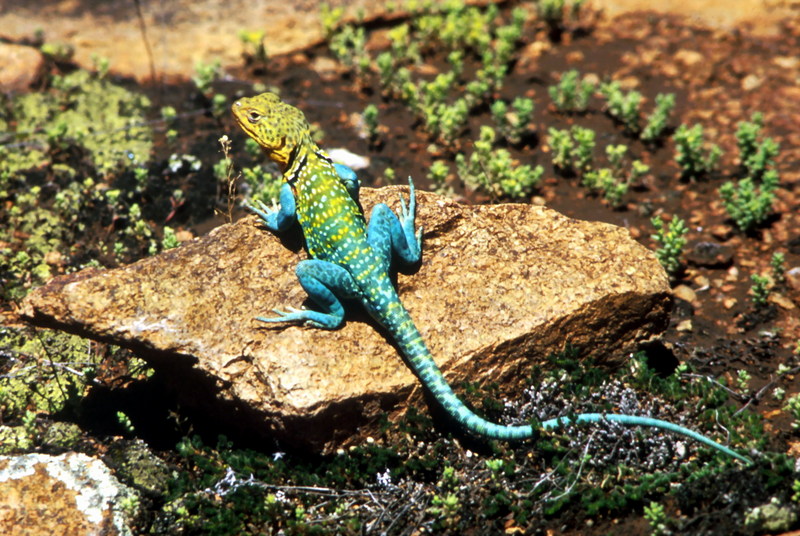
<point>253,116</point>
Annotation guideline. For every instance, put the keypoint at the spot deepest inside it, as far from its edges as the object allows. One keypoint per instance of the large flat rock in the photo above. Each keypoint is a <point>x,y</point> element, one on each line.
<point>499,288</point>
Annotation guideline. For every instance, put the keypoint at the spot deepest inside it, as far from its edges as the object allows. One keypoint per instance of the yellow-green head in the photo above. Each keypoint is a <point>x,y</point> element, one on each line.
<point>277,127</point>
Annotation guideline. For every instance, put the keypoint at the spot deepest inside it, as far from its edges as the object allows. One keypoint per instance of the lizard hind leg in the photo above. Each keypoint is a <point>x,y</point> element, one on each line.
<point>326,283</point>
<point>390,235</point>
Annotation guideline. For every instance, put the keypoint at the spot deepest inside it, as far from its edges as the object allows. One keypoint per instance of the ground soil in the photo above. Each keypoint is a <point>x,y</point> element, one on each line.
<point>721,64</point>
<point>184,32</point>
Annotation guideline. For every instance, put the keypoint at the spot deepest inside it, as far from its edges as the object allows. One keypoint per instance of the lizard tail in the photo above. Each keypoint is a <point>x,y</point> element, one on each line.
<point>413,347</point>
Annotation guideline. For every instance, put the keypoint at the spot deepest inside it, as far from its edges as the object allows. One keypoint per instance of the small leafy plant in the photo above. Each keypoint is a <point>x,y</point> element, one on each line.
<point>445,506</point>
<point>385,62</point>
<point>759,291</point>
<point>743,381</point>
<point>756,156</point>
<point>572,150</point>
<point>657,121</point>
<point>170,239</point>
<point>793,407</point>
<point>170,115</point>
<point>330,18</point>
<point>205,75</point>
<point>778,266</point>
<point>616,159</point>
<point>437,174</point>
<point>656,516</point>
<point>349,45</point>
<point>253,42</point>
<point>695,160</point>
<point>615,155</point>
<point>428,100</point>
<point>671,239</point>
<point>551,11</point>
<point>561,147</point>
<point>571,94</point>
<point>796,490</point>
<point>556,12</point>
<point>608,182</point>
<point>583,151</point>
<point>494,171</point>
<point>446,122</point>
<point>263,184</point>
<point>622,107</point>
<point>125,423</point>
<point>513,124</point>
<point>370,118</point>
<point>748,203</point>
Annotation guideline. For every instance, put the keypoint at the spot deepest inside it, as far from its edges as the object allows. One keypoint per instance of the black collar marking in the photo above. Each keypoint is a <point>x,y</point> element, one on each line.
<point>296,168</point>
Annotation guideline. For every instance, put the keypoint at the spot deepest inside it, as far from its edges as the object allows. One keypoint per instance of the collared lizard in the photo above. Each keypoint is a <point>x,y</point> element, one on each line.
<point>351,260</point>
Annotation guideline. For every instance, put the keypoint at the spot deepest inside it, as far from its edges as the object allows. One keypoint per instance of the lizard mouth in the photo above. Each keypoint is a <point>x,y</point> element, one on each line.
<point>239,113</point>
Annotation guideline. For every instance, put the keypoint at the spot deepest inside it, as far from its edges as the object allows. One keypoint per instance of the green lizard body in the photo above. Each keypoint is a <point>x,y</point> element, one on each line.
<point>350,260</point>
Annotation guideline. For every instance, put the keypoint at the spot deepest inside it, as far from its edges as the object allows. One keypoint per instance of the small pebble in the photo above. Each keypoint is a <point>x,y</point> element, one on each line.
<point>793,278</point>
<point>684,293</point>
<point>710,254</point>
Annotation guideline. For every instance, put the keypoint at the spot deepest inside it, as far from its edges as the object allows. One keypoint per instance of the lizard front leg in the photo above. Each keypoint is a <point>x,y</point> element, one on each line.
<point>326,283</point>
<point>277,219</point>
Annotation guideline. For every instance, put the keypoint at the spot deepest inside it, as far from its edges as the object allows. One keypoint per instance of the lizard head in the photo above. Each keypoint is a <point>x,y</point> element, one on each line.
<point>277,127</point>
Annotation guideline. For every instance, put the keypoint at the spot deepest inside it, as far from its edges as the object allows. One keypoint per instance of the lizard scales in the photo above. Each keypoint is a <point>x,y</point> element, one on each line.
<point>350,260</point>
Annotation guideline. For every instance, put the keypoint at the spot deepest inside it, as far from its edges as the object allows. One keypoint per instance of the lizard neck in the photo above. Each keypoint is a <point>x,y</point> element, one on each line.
<point>305,160</point>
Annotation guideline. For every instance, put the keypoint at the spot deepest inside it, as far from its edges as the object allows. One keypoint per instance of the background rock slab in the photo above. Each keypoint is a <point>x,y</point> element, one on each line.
<point>499,288</point>
<point>182,33</point>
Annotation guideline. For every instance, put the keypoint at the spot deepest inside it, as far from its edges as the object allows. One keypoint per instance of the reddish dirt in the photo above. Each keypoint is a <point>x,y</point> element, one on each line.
<point>184,32</point>
<point>720,76</point>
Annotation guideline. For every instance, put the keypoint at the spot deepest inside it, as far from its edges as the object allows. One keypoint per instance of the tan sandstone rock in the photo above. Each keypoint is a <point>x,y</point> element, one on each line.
<point>20,66</point>
<point>499,288</point>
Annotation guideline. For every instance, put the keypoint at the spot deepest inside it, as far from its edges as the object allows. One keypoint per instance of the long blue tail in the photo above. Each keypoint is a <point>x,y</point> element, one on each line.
<point>413,347</point>
<point>633,420</point>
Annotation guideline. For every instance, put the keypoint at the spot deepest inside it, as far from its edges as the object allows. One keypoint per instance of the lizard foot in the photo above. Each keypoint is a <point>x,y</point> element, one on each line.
<point>264,212</point>
<point>313,319</point>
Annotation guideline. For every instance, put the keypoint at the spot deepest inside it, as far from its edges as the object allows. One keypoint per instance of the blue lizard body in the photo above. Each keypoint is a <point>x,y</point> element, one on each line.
<point>350,260</point>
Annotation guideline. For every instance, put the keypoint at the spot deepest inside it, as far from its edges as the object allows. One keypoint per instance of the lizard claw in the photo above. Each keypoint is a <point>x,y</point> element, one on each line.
<point>291,314</point>
<point>407,212</point>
